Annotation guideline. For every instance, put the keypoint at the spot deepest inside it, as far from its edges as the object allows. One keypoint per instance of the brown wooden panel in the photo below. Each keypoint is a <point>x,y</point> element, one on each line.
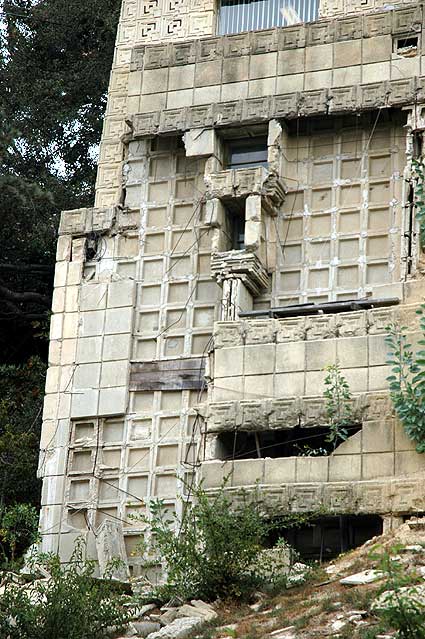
<point>181,374</point>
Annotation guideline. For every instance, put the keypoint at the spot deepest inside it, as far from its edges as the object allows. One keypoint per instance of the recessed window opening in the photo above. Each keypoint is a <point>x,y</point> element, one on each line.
<point>294,442</point>
<point>406,46</point>
<point>327,537</point>
<point>246,153</point>
<point>236,16</point>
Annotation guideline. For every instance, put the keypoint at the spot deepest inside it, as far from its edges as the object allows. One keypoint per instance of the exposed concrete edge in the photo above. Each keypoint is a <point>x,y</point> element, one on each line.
<point>340,100</point>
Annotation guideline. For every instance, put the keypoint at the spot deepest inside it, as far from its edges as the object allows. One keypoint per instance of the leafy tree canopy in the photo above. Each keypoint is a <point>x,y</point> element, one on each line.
<point>55,60</point>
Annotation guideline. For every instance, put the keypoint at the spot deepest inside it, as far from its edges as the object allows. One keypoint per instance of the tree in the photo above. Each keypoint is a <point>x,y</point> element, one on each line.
<point>55,59</point>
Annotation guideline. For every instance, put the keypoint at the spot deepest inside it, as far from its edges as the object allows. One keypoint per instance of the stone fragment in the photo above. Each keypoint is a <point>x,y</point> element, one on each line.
<point>168,616</point>
<point>413,597</point>
<point>195,611</point>
<point>178,629</point>
<point>361,578</point>
<point>145,628</point>
<point>110,546</point>
<point>284,633</point>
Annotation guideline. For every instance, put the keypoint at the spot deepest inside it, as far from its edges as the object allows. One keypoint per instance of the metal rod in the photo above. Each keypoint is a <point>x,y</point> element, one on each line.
<point>321,309</point>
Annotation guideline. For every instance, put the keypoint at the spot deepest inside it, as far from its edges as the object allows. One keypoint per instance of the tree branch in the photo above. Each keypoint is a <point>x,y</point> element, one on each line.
<point>27,268</point>
<point>26,296</point>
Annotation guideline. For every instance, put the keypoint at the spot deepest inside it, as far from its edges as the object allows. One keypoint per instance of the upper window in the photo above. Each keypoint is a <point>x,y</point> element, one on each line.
<point>244,153</point>
<point>236,16</point>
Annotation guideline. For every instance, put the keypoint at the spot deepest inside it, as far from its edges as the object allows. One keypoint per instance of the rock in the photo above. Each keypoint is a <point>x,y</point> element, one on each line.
<point>338,624</point>
<point>194,611</point>
<point>131,630</point>
<point>283,633</point>
<point>413,596</point>
<point>168,616</point>
<point>145,628</point>
<point>412,548</point>
<point>178,629</point>
<point>202,605</point>
<point>361,578</point>
<point>416,524</point>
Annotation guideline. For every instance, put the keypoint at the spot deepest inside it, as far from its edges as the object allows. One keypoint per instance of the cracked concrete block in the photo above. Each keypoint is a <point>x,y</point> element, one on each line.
<point>116,347</point>
<point>311,469</point>
<point>290,357</point>
<point>320,353</point>
<point>200,142</point>
<point>402,441</point>
<point>378,436</point>
<point>351,446</point>
<point>121,293</point>
<point>70,325</point>
<point>258,386</point>
<point>63,248</point>
<point>52,379</point>
<point>408,462</point>
<point>113,401</point>
<point>378,350</point>
<point>50,406</point>
<point>228,362</point>
<point>84,403</point>
<point>345,468</point>
<point>89,349</point>
<point>246,472</point>
<point>91,323</point>
<point>61,271</point>
<point>351,352</point>
<point>56,324</point>
<point>86,376</point>
<point>279,471</point>
<point>68,351</point>
<point>93,296</point>
<point>289,384</point>
<point>110,547</point>
<point>52,492</point>
<point>214,472</point>
<point>119,320</point>
<point>259,359</point>
<point>114,374</point>
<point>378,377</point>
<point>376,465</point>
<point>72,299</point>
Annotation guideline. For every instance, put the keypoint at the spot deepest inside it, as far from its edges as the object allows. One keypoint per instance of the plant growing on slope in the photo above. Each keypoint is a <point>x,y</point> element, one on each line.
<point>401,603</point>
<point>215,550</point>
<point>407,380</point>
<point>18,530</point>
<point>69,605</point>
<point>339,411</point>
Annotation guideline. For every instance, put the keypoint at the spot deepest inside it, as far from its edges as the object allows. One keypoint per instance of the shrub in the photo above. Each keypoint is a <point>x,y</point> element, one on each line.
<point>69,605</point>
<point>401,605</point>
<point>215,550</point>
<point>18,530</point>
<point>407,380</point>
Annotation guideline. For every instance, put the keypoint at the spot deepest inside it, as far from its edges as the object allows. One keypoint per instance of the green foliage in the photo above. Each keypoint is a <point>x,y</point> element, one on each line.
<point>214,550</point>
<point>55,60</point>
<point>18,530</point>
<point>401,609</point>
<point>339,409</point>
<point>418,174</point>
<point>407,380</point>
<point>20,423</point>
<point>70,605</point>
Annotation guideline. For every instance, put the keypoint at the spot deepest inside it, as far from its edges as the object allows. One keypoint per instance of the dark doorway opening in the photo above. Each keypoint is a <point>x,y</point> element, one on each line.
<point>292,442</point>
<point>326,537</point>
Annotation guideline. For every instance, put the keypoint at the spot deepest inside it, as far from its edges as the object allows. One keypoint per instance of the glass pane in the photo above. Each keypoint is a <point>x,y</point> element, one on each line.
<point>237,16</point>
<point>247,153</point>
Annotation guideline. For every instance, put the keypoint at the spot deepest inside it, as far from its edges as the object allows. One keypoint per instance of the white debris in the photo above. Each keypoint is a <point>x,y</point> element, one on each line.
<point>178,629</point>
<point>361,578</point>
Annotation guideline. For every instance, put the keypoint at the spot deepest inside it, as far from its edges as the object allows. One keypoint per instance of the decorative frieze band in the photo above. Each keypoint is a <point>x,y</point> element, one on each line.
<point>294,329</point>
<point>396,496</point>
<point>290,412</point>
<point>340,100</point>
<point>397,21</point>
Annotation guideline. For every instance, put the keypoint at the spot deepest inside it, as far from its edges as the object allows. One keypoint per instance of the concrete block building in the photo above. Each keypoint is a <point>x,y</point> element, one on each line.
<point>254,222</point>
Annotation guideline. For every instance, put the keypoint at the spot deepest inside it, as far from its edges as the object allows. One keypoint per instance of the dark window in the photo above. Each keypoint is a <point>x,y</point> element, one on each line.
<point>237,224</point>
<point>236,16</point>
<point>242,154</point>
